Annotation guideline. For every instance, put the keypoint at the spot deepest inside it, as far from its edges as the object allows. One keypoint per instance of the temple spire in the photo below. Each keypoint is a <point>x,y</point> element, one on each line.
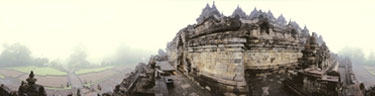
<point>253,13</point>
<point>305,29</point>
<point>31,79</point>
<point>254,10</point>
<point>213,4</point>
<point>31,75</point>
<point>281,20</point>
<point>238,11</point>
<point>207,12</point>
<point>270,15</point>
<point>207,6</point>
<point>290,21</point>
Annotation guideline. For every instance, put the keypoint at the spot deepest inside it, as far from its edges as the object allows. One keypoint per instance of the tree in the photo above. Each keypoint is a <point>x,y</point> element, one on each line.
<point>41,61</point>
<point>78,58</point>
<point>127,55</point>
<point>355,54</point>
<point>15,54</point>
<point>371,59</point>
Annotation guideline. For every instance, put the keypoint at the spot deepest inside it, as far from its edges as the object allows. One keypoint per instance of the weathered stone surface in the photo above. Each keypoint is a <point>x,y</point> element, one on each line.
<point>318,74</point>
<point>5,91</point>
<point>30,88</point>
<point>161,55</point>
<point>26,89</point>
<point>220,48</point>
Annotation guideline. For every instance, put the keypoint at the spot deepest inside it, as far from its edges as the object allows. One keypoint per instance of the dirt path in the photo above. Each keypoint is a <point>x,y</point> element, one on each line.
<point>183,87</point>
<point>363,75</point>
<point>74,80</point>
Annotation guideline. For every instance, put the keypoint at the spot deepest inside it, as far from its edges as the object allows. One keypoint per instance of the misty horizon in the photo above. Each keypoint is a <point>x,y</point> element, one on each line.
<point>54,29</point>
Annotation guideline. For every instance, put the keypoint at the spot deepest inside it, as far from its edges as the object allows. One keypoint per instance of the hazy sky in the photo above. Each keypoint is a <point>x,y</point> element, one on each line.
<point>53,28</point>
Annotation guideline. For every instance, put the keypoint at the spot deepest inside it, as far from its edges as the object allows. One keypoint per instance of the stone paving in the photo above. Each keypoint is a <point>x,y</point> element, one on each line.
<point>185,87</point>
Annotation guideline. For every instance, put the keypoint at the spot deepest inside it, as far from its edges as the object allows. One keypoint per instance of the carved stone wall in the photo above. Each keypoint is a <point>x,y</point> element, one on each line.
<point>221,48</point>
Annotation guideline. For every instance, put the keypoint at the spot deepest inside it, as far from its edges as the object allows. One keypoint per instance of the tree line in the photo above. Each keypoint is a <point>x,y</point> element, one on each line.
<point>357,55</point>
<point>19,55</point>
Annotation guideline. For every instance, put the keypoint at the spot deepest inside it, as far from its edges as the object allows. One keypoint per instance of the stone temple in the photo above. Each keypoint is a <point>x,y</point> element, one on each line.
<point>221,48</point>
<point>26,89</point>
<point>237,55</point>
<point>249,54</point>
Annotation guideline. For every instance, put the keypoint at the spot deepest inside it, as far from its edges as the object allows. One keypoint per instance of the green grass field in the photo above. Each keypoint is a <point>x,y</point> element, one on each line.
<point>97,81</point>
<point>54,88</point>
<point>2,76</point>
<point>43,71</point>
<point>84,71</point>
<point>369,70</point>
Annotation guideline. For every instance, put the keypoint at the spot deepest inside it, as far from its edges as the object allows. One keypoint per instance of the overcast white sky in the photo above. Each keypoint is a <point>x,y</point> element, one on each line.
<point>52,28</point>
